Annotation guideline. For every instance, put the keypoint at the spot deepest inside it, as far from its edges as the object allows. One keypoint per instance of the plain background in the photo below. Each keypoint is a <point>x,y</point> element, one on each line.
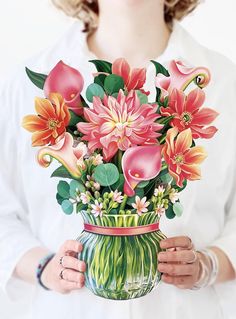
<point>29,26</point>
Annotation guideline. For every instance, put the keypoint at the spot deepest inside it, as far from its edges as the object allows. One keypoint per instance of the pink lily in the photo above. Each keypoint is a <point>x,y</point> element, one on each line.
<point>135,167</point>
<point>180,77</point>
<point>70,157</point>
<point>68,82</point>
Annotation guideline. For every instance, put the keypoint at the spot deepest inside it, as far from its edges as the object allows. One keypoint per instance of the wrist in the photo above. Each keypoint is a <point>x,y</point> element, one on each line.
<point>41,270</point>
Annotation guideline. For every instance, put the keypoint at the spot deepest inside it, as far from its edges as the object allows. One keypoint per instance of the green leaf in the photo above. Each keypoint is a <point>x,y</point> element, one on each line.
<point>94,90</point>
<point>63,189</point>
<point>37,78</point>
<point>61,172</point>
<point>67,207</point>
<point>119,185</point>
<point>138,192</point>
<point>180,189</point>
<point>113,83</point>
<point>102,66</point>
<point>143,184</point>
<point>59,199</point>
<point>80,207</point>
<point>74,119</point>
<point>178,209</point>
<point>142,97</point>
<point>166,178</point>
<point>160,68</point>
<point>99,79</point>
<point>106,174</point>
<point>76,186</point>
<point>170,212</point>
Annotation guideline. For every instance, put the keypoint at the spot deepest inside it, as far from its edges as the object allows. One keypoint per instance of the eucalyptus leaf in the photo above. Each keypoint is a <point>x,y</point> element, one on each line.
<point>59,199</point>
<point>119,185</point>
<point>99,79</point>
<point>67,207</point>
<point>94,90</point>
<point>74,187</point>
<point>166,178</point>
<point>113,83</point>
<point>170,212</point>
<point>63,189</point>
<point>178,209</point>
<point>106,174</point>
<point>143,184</point>
<point>37,78</point>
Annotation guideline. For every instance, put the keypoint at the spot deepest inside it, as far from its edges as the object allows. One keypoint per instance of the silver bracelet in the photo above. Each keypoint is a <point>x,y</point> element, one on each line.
<point>209,272</point>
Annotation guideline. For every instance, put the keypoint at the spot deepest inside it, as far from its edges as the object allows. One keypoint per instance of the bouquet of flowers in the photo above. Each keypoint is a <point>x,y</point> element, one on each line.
<point>123,160</point>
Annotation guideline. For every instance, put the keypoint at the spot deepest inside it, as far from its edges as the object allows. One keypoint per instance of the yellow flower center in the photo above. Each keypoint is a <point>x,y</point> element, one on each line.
<point>53,124</point>
<point>136,175</point>
<point>186,117</point>
<point>179,159</point>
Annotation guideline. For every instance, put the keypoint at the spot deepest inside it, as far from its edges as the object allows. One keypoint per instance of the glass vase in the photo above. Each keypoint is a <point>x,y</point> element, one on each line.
<point>121,267</point>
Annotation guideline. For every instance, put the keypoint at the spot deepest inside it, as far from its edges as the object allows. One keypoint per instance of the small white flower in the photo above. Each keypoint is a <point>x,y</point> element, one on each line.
<point>97,160</point>
<point>160,209</point>
<point>174,196</point>
<point>116,196</point>
<point>97,209</point>
<point>85,198</point>
<point>97,186</point>
<point>140,205</point>
<point>159,191</point>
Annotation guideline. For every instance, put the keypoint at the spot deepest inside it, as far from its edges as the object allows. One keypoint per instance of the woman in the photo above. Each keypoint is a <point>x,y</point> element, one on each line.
<point>199,264</point>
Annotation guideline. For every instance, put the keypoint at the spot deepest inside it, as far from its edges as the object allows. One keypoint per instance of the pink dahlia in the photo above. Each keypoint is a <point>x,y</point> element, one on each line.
<point>119,123</point>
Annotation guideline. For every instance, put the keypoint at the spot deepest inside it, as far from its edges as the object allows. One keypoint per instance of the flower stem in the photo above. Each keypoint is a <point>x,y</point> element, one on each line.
<point>122,206</point>
<point>119,158</point>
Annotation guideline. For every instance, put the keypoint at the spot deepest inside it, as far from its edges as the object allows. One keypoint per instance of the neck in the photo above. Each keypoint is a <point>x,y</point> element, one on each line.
<point>133,29</point>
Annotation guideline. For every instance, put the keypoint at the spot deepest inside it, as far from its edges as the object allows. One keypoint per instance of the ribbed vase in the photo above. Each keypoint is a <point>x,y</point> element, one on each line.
<point>121,267</point>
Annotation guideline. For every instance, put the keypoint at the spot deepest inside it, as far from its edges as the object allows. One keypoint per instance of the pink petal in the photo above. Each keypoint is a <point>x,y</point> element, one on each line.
<point>63,152</point>
<point>135,168</point>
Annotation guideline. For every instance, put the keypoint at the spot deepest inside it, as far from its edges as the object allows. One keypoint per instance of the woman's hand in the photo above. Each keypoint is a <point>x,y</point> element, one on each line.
<point>64,272</point>
<point>180,263</point>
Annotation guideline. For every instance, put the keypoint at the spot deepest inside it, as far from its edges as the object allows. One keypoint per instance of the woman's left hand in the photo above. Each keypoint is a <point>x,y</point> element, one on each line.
<point>180,263</point>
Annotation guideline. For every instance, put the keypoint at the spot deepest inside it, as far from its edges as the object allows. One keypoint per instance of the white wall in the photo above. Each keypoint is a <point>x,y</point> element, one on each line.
<point>28,26</point>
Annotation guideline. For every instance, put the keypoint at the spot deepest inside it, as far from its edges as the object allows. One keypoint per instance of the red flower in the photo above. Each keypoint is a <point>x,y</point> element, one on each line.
<point>134,79</point>
<point>187,113</point>
<point>182,160</point>
<point>69,83</point>
<point>50,122</point>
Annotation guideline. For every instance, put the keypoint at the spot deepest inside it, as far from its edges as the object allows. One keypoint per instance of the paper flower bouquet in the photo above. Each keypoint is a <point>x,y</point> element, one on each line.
<point>123,160</point>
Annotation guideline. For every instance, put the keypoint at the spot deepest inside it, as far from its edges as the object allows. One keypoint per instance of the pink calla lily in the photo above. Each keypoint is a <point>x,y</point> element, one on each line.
<point>180,77</point>
<point>140,163</point>
<point>68,82</point>
<point>70,157</point>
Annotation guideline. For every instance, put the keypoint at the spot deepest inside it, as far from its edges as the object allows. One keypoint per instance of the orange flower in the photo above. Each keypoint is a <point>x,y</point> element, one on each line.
<point>50,122</point>
<point>182,159</point>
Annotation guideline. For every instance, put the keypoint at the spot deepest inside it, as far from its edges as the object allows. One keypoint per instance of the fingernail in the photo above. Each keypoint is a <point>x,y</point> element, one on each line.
<point>161,256</point>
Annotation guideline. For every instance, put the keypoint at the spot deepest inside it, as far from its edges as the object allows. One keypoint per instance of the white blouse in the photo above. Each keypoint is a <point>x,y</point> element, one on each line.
<point>30,215</point>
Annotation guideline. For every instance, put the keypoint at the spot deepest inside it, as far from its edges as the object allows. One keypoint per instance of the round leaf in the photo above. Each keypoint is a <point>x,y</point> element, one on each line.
<point>178,209</point>
<point>63,189</point>
<point>143,184</point>
<point>67,207</point>
<point>113,83</point>
<point>94,90</point>
<point>170,212</point>
<point>74,186</point>
<point>106,174</point>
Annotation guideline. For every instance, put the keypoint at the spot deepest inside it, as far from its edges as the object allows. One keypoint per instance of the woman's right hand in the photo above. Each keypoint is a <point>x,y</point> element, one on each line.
<point>64,272</point>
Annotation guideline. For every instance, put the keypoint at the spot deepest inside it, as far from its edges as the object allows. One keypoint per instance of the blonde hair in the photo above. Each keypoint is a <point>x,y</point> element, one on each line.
<point>87,10</point>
